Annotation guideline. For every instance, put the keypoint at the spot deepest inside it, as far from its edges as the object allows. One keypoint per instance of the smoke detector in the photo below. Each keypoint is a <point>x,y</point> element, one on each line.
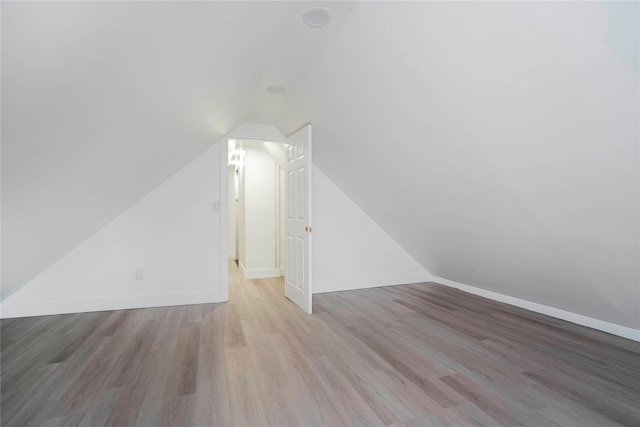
<point>316,17</point>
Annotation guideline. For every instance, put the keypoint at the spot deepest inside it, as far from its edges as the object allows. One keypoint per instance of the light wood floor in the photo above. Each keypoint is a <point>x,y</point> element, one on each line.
<point>421,355</point>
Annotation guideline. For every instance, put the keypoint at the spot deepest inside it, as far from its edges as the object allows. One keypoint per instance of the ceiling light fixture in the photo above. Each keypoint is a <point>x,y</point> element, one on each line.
<point>236,157</point>
<point>316,17</point>
<point>276,89</point>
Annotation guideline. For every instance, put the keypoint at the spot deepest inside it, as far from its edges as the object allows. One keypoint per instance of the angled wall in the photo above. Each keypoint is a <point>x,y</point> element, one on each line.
<point>509,132</point>
<point>172,233</point>
<point>351,251</point>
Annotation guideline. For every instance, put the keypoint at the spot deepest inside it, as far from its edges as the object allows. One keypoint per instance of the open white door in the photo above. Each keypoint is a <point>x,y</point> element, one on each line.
<point>297,277</point>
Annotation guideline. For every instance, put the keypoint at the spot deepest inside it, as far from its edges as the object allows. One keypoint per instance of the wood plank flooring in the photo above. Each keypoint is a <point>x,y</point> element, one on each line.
<point>411,355</point>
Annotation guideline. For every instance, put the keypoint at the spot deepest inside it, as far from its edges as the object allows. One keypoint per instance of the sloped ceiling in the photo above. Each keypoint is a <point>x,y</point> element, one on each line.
<point>496,142</point>
<point>101,102</point>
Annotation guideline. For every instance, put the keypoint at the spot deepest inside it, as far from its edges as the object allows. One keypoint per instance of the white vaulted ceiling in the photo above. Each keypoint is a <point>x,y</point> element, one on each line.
<point>496,142</point>
<point>104,101</point>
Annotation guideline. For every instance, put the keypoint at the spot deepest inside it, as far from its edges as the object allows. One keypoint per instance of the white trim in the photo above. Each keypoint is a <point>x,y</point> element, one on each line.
<point>310,212</point>
<point>244,131</point>
<point>370,282</point>
<point>257,131</point>
<point>261,273</point>
<point>224,221</point>
<point>601,325</point>
<point>122,302</point>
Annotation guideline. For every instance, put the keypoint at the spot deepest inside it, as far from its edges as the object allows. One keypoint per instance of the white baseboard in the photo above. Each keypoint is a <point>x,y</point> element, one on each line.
<point>601,325</point>
<point>10,310</point>
<point>260,273</point>
<point>368,282</point>
<point>282,271</point>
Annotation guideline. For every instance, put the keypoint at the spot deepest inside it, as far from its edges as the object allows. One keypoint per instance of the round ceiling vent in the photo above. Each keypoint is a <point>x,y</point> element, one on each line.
<point>316,17</point>
<point>277,89</point>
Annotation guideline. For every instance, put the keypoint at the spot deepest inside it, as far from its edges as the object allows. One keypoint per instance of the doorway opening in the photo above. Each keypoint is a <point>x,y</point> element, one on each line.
<point>265,209</point>
<point>256,182</point>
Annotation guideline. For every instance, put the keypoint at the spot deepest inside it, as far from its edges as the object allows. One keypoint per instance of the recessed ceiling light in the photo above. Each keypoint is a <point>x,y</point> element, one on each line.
<point>277,89</point>
<point>316,17</point>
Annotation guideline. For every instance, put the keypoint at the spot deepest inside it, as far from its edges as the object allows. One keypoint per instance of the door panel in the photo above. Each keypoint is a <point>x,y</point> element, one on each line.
<point>298,221</point>
<point>302,202</point>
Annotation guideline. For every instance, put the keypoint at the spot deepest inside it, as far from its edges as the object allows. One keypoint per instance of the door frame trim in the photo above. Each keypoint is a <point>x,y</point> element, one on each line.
<point>224,219</point>
<point>244,131</point>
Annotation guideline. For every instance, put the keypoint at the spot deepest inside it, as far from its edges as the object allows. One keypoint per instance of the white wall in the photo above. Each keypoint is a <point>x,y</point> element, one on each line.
<point>259,214</point>
<point>172,233</point>
<point>516,159</point>
<point>92,155</point>
<point>241,227</point>
<point>350,251</point>
<point>277,152</point>
<point>232,184</point>
<point>282,222</point>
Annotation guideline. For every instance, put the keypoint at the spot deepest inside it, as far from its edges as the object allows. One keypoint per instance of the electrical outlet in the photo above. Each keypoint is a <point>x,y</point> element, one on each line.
<point>139,273</point>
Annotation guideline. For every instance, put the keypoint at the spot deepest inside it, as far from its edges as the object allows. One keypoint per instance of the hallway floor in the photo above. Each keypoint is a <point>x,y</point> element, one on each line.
<point>420,354</point>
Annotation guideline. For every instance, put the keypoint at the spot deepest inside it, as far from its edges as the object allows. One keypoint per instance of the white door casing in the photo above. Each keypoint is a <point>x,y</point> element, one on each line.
<point>298,219</point>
